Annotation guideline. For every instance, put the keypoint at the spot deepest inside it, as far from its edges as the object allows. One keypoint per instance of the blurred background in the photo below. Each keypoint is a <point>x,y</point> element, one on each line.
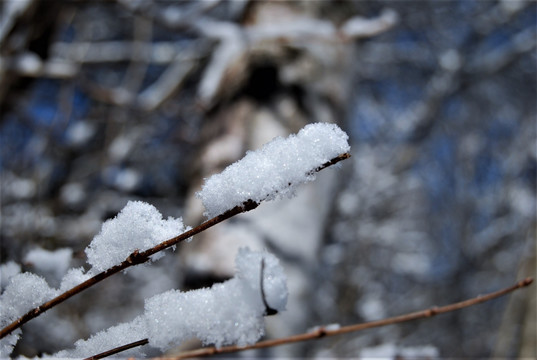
<point>105,102</point>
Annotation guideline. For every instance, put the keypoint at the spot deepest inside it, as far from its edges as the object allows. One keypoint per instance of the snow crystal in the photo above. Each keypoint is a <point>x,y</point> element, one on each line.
<point>275,169</point>
<point>51,262</point>
<point>139,226</point>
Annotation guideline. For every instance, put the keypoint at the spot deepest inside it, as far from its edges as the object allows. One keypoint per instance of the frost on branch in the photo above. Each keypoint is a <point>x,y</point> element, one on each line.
<point>227,313</point>
<point>139,226</point>
<point>274,170</point>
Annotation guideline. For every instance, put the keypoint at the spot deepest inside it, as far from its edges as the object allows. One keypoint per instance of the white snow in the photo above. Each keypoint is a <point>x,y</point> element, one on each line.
<point>74,277</point>
<point>7,270</point>
<point>275,170</point>
<point>111,338</point>
<point>72,193</point>
<point>227,313</point>
<point>54,262</point>
<point>329,327</point>
<point>24,292</point>
<point>139,226</point>
<point>80,132</point>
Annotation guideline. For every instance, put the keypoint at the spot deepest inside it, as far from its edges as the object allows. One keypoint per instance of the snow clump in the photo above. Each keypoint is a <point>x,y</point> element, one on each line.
<point>24,292</point>
<point>275,170</point>
<point>139,226</point>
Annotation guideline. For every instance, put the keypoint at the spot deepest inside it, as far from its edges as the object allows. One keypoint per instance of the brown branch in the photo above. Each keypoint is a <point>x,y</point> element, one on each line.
<point>118,349</point>
<point>138,257</point>
<point>327,331</point>
<point>333,161</point>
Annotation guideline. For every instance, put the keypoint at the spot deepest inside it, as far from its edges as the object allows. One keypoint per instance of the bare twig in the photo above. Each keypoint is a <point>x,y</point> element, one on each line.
<point>333,161</point>
<point>119,349</point>
<point>167,84</point>
<point>138,257</point>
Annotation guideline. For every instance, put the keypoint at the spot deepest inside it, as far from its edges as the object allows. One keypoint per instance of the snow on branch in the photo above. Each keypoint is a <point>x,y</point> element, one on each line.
<point>24,292</point>
<point>139,226</point>
<point>136,234</point>
<point>275,170</point>
<point>227,313</point>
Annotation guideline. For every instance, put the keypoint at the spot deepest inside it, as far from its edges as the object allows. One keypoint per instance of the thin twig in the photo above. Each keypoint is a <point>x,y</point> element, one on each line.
<point>333,161</point>
<point>328,331</point>
<point>118,349</point>
<point>138,257</point>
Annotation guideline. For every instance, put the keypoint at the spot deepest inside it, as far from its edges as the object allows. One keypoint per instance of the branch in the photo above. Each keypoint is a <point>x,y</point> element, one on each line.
<point>118,349</point>
<point>329,331</point>
<point>138,257</point>
<point>333,161</point>
<point>157,53</point>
